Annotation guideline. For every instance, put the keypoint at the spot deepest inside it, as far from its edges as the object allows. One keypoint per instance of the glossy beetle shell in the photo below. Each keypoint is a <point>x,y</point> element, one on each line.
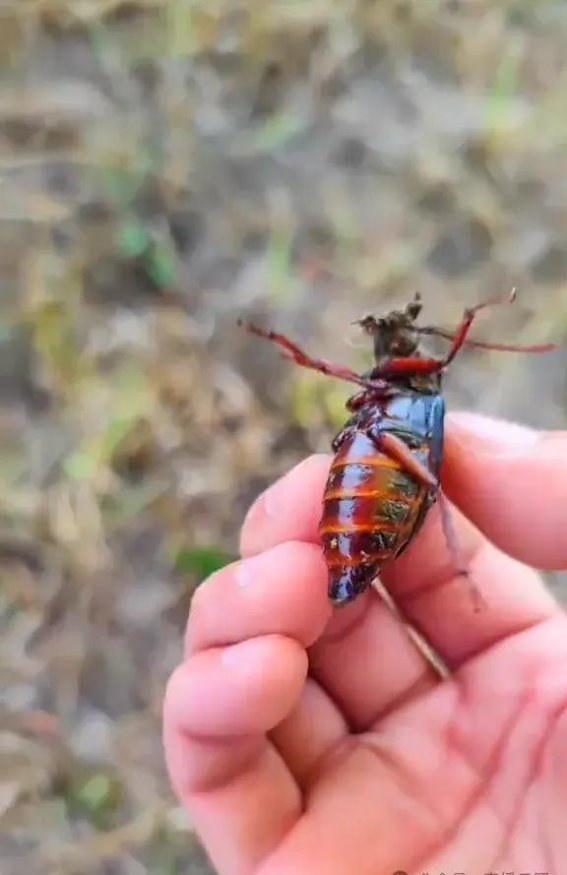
<point>372,507</point>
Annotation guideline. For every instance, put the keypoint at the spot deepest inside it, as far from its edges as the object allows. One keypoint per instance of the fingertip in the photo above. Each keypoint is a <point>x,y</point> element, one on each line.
<point>490,434</point>
<point>289,509</point>
<point>280,591</point>
<point>511,481</point>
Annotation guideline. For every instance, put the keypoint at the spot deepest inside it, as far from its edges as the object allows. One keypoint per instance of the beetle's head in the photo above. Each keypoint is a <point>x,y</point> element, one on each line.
<point>395,333</point>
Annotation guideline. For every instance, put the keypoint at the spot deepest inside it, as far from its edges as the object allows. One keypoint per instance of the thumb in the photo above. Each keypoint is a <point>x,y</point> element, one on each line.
<point>511,482</point>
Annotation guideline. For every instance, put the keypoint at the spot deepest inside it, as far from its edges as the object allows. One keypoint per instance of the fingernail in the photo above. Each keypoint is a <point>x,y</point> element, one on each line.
<point>500,433</point>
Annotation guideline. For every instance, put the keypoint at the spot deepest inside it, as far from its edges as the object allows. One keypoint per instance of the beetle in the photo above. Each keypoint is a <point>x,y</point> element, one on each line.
<point>384,476</point>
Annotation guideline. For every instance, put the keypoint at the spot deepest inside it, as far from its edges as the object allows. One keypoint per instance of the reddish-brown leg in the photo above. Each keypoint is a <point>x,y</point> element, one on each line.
<point>296,354</point>
<point>468,318</point>
<point>398,450</point>
<point>451,537</point>
<point>356,401</point>
<point>395,448</point>
<point>459,561</point>
<point>410,366</point>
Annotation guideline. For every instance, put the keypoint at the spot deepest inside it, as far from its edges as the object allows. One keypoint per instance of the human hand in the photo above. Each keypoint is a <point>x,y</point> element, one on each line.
<point>309,742</point>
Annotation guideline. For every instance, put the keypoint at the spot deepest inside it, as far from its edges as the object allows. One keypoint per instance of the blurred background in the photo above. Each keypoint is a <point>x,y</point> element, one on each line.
<point>168,167</point>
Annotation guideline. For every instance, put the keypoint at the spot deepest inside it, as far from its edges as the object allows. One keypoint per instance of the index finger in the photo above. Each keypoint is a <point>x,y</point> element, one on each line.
<point>289,510</point>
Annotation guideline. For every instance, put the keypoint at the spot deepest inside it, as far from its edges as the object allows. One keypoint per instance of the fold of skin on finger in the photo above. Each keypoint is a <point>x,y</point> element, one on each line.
<point>514,490</point>
<point>432,758</point>
<point>440,603</point>
<point>514,698</point>
<point>239,786</point>
<point>239,795</point>
<point>280,591</point>
<point>289,510</point>
<point>387,772</point>
<point>310,733</point>
<point>367,662</point>
<point>218,707</point>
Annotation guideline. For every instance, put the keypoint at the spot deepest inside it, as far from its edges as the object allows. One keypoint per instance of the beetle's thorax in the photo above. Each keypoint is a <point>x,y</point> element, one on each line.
<point>424,383</point>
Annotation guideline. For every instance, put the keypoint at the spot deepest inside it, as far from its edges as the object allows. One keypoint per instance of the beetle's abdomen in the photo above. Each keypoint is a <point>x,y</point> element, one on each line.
<point>370,509</point>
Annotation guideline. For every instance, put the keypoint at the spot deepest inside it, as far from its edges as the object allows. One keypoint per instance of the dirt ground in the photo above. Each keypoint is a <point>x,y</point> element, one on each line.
<point>169,167</point>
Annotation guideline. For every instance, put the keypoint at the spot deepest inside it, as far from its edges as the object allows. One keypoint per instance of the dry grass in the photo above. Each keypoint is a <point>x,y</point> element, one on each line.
<point>166,168</point>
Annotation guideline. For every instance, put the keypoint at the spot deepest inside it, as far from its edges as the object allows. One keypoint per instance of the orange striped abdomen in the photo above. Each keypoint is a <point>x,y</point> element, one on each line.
<point>370,510</point>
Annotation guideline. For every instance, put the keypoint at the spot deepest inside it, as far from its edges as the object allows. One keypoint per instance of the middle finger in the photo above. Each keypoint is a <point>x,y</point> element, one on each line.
<point>365,659</point>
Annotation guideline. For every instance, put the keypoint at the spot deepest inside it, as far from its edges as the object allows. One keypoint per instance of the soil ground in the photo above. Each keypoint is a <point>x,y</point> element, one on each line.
<point>167,168</point>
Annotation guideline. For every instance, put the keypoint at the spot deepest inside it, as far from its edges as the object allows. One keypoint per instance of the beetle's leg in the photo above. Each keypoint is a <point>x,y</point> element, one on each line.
<point>356,401</point>
<point>428,366</point>
<point>463,329</point>
<point>296,354</point>
<point>452,541</point>
<point>459,338</point>
<point>451,536</point>
<point>353,404</point>
<point>341,437</point>
<point>395,448</point>
<point>398,450</point>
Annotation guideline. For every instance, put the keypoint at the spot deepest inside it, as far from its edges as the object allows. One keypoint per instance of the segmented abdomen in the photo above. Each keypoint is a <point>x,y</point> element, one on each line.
<point>370,509</point>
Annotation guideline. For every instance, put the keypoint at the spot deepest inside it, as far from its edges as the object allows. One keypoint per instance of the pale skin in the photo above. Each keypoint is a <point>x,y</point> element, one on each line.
<point>316,742</point>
